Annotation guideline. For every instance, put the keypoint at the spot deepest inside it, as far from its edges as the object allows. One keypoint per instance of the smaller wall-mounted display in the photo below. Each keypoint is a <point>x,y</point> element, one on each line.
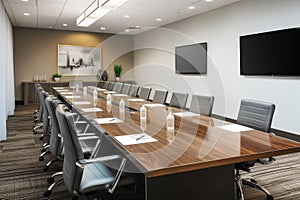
<point>191,59</point>
<point>78,60</point>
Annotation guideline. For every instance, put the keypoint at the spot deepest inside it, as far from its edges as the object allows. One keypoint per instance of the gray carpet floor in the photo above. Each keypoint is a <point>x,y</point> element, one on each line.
<point>22,175</point>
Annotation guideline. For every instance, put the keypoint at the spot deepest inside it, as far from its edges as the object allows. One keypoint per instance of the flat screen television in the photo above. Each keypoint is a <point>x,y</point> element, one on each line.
<point>275,53</point>
<point>191,59</point>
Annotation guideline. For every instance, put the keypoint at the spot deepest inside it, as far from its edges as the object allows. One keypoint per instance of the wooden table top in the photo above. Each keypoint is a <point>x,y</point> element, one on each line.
<point>197,142</point>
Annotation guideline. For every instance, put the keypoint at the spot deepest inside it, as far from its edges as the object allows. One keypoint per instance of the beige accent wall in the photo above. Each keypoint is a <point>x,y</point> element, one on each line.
<point>35,53</point>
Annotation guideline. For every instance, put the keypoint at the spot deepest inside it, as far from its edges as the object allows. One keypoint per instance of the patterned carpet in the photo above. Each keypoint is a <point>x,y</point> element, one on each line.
<point>22,175</point>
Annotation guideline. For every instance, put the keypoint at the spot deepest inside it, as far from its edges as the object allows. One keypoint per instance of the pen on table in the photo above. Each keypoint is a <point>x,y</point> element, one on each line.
<point>112,119</point>
<point>140,137</point>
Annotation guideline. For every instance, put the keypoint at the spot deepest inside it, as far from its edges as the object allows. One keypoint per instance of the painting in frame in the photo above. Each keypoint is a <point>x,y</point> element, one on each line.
<point>78,60</point>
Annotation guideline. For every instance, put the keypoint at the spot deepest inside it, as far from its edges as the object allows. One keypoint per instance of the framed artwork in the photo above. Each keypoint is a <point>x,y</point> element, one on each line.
<point>78,60</point>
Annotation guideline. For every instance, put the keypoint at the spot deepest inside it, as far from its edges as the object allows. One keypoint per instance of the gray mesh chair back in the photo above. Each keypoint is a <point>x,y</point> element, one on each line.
<point>40,116</point>
<point>105,84</point>
<point>72,150</point>
<point>125,88</point>
<point>42,96</point>
<point>202,104</point>
<point>110,86</point>
<point>73,83</point>
<point>160,96</point>
<point>56,145</point>
<point>256,114</point>
<point>178,100</point>
<point>133,90</point>
<point>145,92</point>
<point>118,87</point>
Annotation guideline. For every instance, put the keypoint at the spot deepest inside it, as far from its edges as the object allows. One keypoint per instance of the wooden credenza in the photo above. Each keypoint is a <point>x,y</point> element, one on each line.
<point>30,96</point>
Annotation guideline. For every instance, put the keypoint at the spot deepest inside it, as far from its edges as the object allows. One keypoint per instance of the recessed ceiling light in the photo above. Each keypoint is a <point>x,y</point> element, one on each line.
<point>126,16</point>
<point>102,28</point>
<point>127,30</point>
<point>158,19</point>
<point>137,26</point>
<point>191,7</point>
<point>26,14</point>
<point>25,0</point>
<point>208,0</point>
<point>65,24</point>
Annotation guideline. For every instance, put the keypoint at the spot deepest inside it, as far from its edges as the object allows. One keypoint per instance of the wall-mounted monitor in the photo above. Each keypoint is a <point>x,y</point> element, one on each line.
<point>275,53</point>
<point>191,59</point>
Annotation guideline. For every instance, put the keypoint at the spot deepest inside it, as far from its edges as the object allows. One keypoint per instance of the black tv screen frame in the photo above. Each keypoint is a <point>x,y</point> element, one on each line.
<point>191,59</point>
<point>274,53</point>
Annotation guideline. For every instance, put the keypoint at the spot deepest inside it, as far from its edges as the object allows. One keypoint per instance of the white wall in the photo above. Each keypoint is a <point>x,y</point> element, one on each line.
<point>221,29</point>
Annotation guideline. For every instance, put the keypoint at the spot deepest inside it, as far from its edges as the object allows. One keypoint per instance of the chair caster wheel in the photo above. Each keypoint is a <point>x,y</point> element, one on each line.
<point>270,197</point>
<point>43,150</point>
<point>47,194</point>
<point>35,132</point>
<point>41,158</point>
<point>46,168</point>
<point>50,180</point>
<point>42,138</point>
<point>253,180</point>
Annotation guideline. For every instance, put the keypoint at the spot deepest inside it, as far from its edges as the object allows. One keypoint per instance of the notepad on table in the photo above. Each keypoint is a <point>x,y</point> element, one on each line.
<point>110,92</point>
<point>109,120</point>
<point>136,99</point>
<point>81,102</point>
<point>186,114</point>
<point>120,95</point>
<point>235,128</point>
<point>91,109</point>
<point>154,105</point>
<point>101,89</point>
<point>56,88</point>
<point>138,138</point>
<point>62,90</point>
<point>66,92</point>
<point>73,97</point>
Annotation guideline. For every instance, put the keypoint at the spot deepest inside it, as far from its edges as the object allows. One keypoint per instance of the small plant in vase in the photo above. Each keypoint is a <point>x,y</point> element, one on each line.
<point>118,69</point>
<point>56,77</point>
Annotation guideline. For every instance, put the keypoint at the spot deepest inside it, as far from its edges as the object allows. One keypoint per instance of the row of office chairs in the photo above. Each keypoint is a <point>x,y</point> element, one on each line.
<point>83,173</point>
<point>199,104</point>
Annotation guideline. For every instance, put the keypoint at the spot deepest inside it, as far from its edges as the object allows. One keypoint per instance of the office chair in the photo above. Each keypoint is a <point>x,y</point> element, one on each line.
<point>160,96</point>
<point>36,112</point>
<point>178,100</point>
<point>257,115</point>
<point>111,86</point>
<point>145,93</point>
<point>118,87</point>
<point>105,85</point>
<point>202,104</point>
<point>73,83</point>
<point>39,118</point>
<point>125,88</point>
<point>85,176</point>
<point>133,90</point>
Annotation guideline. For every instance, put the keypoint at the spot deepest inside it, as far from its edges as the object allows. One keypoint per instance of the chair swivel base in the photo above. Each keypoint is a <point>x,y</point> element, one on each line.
<point>254,185</point>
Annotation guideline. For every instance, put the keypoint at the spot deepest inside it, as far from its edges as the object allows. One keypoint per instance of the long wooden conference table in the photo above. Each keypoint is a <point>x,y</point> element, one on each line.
<point>195,161</point>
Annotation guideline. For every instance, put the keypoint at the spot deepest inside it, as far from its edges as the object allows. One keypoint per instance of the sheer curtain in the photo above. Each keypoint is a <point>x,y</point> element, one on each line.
<point>7,89</point>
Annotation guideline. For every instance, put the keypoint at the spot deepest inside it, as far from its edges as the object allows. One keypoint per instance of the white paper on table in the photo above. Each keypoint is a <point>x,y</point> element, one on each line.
<point>110,92</point>
<point>91,109</point>
<point>136,99</point>
<point>73,97</point>
<point>186,114</point>
<point>109,120</point>
<point>235,128</point>
<point>101,89</point>
<point>91,87</point>
<point>81,102</point>
<point>56,88</point>
<point>62,90</point>
<point>66,92</point>
<point>154,105</point>
<point>120,95</point>
<point>139,138</point>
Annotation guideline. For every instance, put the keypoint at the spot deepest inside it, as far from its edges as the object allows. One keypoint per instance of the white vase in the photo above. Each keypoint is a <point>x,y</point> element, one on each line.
<point>117,78</point>
<point>56,79</point>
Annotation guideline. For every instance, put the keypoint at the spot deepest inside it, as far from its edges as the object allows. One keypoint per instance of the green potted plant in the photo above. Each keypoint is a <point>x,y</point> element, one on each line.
<point>56,77</point>
<point>118,69</point>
